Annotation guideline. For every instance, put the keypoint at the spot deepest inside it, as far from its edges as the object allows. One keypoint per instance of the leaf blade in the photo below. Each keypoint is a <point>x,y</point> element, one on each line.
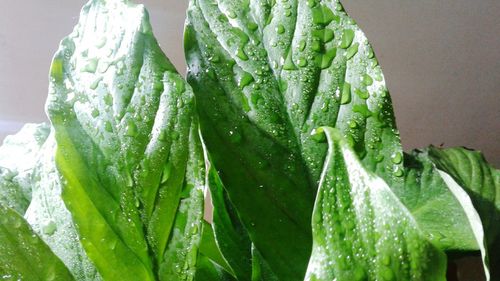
<point>361,229</point>
<point>23,255</point>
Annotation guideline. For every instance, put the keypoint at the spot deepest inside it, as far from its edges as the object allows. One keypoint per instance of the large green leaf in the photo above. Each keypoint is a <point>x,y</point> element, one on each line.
<point>481,181</point>
<point>50,219</point>
<point>361,230</point>
<point>18,156</point>
<point>434,206</point>
<point>474,219</point>
<point>266,73</point>
<point>23,255</point>
<point>128,146</point>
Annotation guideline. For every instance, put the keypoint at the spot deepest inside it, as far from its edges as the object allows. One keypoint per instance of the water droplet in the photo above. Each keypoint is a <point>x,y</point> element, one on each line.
<point>95,112</point>
<point>362,93</point>
<point>353,124</point>
<point>234,136</point>
<point>214,58</point>
<point>101,42</point>
<point>362,109</point>
<point>324,35</point>
<point>379,158</point>
<point>231,15</point>
<point>131,129</point>
<point>91,65</point>
<point>244,103</point>
<point>302,45</point>
<point>346,93</point>
<point>322,15</point>
<point>108,99</point>
<point>398,171</point>
<point>316,45</point>
<point>180,85</point>
<point>280,29</point>
<point>311,3</point>
<point>352,51</point>
<point>302,62</point>
<point>241,54</point>
<point>194,230</point>
<point>324,61</point>
<point>347,38</point>
<point>397,158</point>
<point>56,69</point>
<point>252,26</point>
<point>49,228</point>
<point>108,127</point>
<point>318,135</point>
<point>367,80</point>
<point>245,80</point>
<point>96,82</point>
<point>288,64</point>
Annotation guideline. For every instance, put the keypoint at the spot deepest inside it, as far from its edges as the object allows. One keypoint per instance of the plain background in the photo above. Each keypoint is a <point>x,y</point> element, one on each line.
<point>441,60</point>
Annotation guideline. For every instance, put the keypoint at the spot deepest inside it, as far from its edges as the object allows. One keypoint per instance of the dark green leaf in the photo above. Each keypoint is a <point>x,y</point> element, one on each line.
<point>23,255</point>
<point>434,206</point>
<point>361,230</point>
<point>128,146</point>
<point>481,181</point>
<point>473,216</point>
<point>230,235</point>
<point>266,73</point>
<point>210,249</point>
<point>207,270</point>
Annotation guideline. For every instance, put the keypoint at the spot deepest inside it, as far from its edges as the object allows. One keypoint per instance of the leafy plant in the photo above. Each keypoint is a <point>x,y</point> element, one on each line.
<point>292,135</point>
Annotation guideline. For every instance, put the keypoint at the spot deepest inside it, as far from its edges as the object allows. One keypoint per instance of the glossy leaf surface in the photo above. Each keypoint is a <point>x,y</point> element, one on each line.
<point>128,147</point>
<point>50,219</point>
<point>267,73</point>
<point>18,156</point>
<point>361,230</point>
<point>23,255</point>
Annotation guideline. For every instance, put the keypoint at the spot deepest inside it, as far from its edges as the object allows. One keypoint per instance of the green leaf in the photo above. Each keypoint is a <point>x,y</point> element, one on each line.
<point>11,193</point>
<point>470,170</point>
<point>473,216</point>
<point>479,179</point>
<point>230,236</point>
<point>434,206</point>
<point>266,73</point>
<point>128,146</point>
<point>23,255</point>
<point>207,270</point>
<point>361,231</point>
<point>210,249</point>
<point>181,254</point>
<point>18,156</point>
<point>50,219</point>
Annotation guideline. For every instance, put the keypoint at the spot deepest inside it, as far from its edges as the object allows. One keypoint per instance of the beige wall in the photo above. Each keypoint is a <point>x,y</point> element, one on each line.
<point>441,60</point>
